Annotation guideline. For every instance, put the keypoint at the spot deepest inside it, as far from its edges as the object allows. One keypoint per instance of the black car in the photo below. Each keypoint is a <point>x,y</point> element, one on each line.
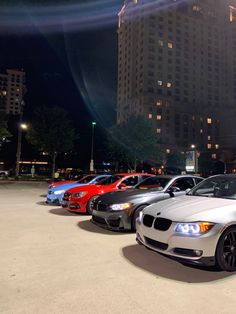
<point>119,210</point>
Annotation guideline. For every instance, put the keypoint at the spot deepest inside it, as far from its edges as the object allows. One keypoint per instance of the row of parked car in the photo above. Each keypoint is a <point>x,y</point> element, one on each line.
<point>184,217</point>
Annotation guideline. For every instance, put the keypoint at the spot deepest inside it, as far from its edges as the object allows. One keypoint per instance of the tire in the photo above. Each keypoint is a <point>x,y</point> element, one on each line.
<point>89,209</point>
<point>226,250</point>
<point>135,216</point>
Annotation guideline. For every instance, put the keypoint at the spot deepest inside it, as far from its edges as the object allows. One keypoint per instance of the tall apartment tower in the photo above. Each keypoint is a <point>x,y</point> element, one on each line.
<point>177,67</point>
<point>12,89</point>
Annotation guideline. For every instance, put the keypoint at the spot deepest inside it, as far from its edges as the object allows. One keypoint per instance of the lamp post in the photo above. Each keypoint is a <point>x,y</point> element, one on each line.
<point>21,127</point>
<point>195,158</point>
<point>91,168</point>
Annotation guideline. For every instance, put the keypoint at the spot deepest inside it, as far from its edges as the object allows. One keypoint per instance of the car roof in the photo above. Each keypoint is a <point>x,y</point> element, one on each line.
<point>132,174</point>
<point>170,176</point>
<point>226,175</point>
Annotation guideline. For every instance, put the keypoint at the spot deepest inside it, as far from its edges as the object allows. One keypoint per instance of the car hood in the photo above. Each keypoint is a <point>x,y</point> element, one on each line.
<point>130,195</point>
<point>68,186</point>
<point>195,208</point>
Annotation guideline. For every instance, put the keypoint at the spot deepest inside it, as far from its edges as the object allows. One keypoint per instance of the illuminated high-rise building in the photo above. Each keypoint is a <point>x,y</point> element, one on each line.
<point>177,68</point>
<point>12,89</point>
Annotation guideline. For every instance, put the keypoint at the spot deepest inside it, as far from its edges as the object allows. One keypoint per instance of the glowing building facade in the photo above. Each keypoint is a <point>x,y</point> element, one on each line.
<point>177,68</point>
<point>12,89</point>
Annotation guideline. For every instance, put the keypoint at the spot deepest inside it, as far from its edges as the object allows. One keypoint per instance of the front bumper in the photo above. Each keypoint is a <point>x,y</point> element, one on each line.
<point>192,250</point>
<point>117,221</point>
<point>52,200</point>
<point>64,203</point>
<point>77,206</point>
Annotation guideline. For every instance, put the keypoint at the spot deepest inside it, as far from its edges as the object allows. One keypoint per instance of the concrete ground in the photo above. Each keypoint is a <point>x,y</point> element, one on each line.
<point>55,262</point>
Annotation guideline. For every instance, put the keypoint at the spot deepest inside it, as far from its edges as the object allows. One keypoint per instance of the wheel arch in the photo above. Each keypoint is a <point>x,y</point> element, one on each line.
<point>89,202</point>
<point>135,211</point>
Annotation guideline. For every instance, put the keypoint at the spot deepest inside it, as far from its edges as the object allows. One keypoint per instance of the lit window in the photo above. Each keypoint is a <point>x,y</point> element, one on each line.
<point>209,137</point>
<point>170,45</point>
<point>168,151</point>
<point>217,146</point>
<point>4,93</point>
<point>232,14</point>
<point>197,8</point>
<point>168,84</point>
<point>201,131</point>
<point>150,116</point>
<point>158,103</point>
<point>193,118</point>
<point>209,120</point>
<point>158,131</point>
<point>160,43</point>
<point>159,83</point>
<point>158,117</point>
<point>213,156</point>
<point>208,146</point>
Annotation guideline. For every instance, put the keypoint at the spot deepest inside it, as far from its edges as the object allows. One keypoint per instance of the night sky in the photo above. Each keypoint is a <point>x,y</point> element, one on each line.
<point>69,53</point>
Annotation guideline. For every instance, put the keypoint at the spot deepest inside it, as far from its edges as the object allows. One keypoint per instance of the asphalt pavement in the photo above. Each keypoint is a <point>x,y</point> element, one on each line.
<point>53,261</point>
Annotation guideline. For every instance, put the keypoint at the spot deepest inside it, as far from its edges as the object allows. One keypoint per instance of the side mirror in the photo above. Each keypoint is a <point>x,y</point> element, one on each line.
<point>173,189</point>
<point>186,191</point>
<point>121,186</point>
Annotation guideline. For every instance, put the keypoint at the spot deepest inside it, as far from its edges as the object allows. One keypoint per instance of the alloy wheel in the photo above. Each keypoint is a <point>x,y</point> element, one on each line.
<point>226,250</point>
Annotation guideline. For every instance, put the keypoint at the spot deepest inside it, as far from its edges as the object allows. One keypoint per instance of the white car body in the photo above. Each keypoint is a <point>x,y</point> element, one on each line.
<point>200,248</point>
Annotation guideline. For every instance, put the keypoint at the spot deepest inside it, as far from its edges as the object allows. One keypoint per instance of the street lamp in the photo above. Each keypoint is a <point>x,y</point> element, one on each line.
<point>21,127</point>
<point>195,158</point>
<point>91,161</point>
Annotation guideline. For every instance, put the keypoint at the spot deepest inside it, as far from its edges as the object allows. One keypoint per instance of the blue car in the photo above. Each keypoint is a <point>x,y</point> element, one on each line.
<point>55,194</point>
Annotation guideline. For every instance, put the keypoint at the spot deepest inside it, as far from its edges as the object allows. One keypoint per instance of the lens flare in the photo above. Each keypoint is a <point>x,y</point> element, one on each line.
<point>74,16</point>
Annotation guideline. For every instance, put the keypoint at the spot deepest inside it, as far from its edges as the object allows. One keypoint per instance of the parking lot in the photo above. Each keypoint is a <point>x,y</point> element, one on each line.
<point>56,262</point>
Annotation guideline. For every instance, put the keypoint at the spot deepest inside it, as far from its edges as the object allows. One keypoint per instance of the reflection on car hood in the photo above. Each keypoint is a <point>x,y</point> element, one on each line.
<point>127,196</point>
<point>67,186</point>
<point>195,208</point>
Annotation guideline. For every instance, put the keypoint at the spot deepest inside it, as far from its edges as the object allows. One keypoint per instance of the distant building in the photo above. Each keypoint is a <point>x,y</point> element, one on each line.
<point>12,90</point>
<point>177,68</point>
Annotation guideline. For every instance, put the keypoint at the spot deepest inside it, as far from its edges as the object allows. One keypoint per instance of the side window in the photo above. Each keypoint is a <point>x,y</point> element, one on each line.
<point>183,183</point>
<point>100,179</point>
<point>131,181</point>
<point>197,180</point>
<point>143,177</point>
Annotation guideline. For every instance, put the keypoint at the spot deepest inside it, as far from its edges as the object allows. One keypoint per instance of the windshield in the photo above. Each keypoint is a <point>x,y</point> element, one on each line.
<point>110,180</point>
<point>100,180</point>
<point>220,187</point>
<point>86,179</point>
<point>157,183</point>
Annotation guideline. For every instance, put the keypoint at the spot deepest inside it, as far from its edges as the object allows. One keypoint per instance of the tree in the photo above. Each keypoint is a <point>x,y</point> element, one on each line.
<point>175,162</point>
<point>4,133</point>
<point>51,131</point>
<point>205,164</point>
<point>134,140</point>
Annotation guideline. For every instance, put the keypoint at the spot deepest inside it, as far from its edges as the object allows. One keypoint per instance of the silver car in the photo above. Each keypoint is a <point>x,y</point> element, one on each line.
<point>119,210</point>
<point>198,228</point>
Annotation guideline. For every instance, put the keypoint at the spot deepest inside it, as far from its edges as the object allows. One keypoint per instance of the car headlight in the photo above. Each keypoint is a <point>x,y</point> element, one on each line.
<point>193,228</point>
<point>123,206</point>
<point>59,192</point>
<point>79,194</point>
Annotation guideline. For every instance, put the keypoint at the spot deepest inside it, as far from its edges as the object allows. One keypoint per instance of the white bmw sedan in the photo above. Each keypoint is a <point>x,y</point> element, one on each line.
<point>198,228</point>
